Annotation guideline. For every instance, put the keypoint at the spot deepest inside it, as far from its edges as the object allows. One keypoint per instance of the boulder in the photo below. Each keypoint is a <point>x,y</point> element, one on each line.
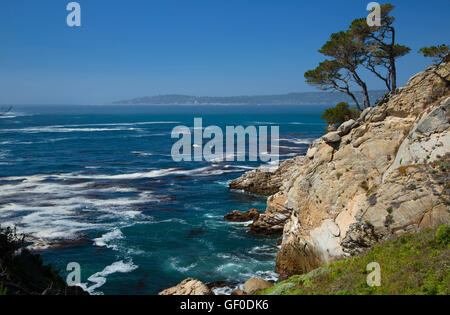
<point>238,216</point>
<point>331,128</point>
<point>311,152</point>
<point>437,121</point>
<point>255,284</point>
<point>238,292</point>
<point>332,137</point>
<point>346,127</point>
<point>188,287</point>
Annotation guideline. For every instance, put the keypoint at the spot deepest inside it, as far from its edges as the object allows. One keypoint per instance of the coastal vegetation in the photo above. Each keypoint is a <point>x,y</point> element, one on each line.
<point>23,273</point>
<point>339,114</point>
<point>440,54</point>
<point>414,264</point>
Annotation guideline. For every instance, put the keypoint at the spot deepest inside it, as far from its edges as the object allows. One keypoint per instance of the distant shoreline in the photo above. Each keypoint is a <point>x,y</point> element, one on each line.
<point>306,98</point>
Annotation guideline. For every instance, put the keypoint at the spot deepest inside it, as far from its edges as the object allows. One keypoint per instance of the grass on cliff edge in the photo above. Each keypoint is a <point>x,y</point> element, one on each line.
<point>417,264</point>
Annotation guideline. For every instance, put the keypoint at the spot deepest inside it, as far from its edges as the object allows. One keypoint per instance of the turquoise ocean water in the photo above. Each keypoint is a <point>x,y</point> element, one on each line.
<point>103,175</point>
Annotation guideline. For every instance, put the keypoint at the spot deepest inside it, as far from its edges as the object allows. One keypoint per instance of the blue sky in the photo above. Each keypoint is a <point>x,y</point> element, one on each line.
<point>132,48</point>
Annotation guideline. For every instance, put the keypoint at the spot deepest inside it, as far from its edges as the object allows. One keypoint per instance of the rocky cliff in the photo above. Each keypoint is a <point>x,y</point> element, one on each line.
<point>380,176</point>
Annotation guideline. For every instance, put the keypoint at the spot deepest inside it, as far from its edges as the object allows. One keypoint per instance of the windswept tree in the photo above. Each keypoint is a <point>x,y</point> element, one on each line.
<point>348,54</point>
<point>439,54</point>
<point>330,75</point>
<point>380,47</point>
<point>361,46</point>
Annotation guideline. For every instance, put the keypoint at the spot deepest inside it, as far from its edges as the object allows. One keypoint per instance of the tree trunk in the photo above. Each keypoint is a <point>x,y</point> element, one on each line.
<point>364,88</point>
<point>355,100</point>
<point>392,62</point>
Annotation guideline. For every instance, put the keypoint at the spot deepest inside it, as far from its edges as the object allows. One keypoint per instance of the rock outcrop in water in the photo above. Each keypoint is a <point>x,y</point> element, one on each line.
<point>188,287</point>
<point>380,176</point>
<point>239,216</point>
<point>264,182</point>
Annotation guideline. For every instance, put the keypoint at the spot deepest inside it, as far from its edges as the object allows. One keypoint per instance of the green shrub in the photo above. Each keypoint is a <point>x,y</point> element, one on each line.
<point>339,114</point>
<point>443,234</point>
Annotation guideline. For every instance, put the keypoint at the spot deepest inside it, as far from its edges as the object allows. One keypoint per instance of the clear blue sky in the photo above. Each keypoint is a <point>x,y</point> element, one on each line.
<point>132,48</point>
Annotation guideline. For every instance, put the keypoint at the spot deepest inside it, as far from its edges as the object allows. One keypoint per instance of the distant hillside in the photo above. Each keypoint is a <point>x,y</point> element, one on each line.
<point>308,98</point>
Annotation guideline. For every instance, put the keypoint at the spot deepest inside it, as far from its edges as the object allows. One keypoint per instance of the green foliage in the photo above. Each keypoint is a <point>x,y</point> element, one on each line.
<point>443,235</point>
<point>344,49</point>
<point>438,53</point>
<point>22,272</point>
<point>325,75</point>
<point>414,264</point>
<point>339,114</point>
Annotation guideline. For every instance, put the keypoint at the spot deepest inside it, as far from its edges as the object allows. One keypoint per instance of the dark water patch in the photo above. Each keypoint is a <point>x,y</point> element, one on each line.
<point>195,232</point>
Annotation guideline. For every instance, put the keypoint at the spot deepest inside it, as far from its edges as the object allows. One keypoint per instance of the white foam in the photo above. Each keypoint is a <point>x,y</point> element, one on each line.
<point>99,278</point>
<point>297,141</point>
<point>174,263</point>
<point>141,153</point>
<point>61,129</point>
<point>265,275</point>
<point>104,240</point>
<point>52,210</point>
<point>228,289</point>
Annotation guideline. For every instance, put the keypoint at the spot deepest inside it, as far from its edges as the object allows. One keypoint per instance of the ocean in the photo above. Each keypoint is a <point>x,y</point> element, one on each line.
<point>100,181</point>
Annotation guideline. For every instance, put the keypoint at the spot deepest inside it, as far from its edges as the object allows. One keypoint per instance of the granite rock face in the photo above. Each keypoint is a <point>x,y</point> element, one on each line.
<point>382,175</point>
<point>377,183</point>
<point>272,221</point>
<point>263,181</point>
<point>238,216</point>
